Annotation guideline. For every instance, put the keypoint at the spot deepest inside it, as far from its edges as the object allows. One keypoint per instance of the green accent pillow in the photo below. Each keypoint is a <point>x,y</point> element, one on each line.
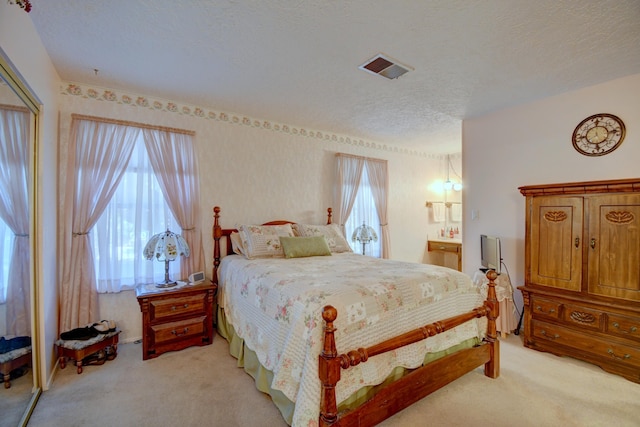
<point>298,247</point>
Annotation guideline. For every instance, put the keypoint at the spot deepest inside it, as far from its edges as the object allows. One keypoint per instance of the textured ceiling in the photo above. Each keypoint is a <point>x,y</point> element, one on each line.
<point>296,61</point>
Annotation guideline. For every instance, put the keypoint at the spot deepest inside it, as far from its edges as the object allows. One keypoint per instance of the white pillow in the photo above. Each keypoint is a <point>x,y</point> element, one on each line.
<point>331,232</point>
<point>263,241</point>
<point>236,243</point>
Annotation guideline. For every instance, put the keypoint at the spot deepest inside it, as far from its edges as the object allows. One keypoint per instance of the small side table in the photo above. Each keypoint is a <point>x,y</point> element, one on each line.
<point>506,321</point>
<point>79,349</point>
<point>175,318</point>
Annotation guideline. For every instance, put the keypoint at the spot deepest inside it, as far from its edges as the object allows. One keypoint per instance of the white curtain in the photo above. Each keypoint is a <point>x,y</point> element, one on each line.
<point>348,175</point>
<point>136,212</point>
<point>379,184</point>
<point>98,156</point>
<point>14,211</point>
<point>174,161</point>
<point>364,211</point>
<point>348,188</point>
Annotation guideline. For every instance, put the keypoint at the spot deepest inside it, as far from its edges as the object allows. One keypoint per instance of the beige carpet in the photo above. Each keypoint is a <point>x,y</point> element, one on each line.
<point>201,386</point>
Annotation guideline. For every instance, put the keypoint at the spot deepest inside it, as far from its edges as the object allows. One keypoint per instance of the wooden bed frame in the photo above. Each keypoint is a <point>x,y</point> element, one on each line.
<point>413,386</point>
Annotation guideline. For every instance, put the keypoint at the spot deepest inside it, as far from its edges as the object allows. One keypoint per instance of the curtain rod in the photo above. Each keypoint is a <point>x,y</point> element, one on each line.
<point>359,157</point>
<point>134,124</point>
<point>14,108</point>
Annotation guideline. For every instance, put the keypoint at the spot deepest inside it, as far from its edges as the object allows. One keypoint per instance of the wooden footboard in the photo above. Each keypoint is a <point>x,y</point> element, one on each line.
<point>417,384</point>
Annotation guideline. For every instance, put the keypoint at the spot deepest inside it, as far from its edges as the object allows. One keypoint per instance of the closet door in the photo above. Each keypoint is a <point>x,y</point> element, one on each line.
<point>614,246</point>
<point>556,242</point>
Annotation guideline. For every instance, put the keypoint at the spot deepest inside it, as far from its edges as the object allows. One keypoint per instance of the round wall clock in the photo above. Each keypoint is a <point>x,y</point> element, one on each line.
<point>598,135</point>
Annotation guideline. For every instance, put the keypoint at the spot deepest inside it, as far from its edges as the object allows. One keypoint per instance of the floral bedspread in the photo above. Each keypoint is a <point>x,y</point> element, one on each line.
<point>275,305</point>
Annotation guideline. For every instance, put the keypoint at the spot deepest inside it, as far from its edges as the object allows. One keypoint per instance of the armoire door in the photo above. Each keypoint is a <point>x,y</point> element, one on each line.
<point>614,246</point>
<point>556,242</point>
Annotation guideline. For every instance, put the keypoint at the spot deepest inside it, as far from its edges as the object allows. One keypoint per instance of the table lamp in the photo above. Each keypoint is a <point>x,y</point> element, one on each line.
<point>166,246</point>
<point>364,234</point>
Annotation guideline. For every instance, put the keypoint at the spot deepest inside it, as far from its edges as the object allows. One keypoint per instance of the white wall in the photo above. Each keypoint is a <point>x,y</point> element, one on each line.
<point>21,43</point>
<point>531,144</point>
<point>256,171</point>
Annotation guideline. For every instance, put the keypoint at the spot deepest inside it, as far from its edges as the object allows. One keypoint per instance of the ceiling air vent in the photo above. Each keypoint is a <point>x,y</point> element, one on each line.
<point>385,66</point>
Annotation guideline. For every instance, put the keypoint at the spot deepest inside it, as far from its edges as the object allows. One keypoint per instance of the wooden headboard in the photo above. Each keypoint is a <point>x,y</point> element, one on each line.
<point>219,232</point>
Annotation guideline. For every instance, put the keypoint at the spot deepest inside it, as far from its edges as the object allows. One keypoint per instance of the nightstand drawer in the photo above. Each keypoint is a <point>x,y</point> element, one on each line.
<point>182,329</point>
<point>544,308</point>
<point>177,307</point>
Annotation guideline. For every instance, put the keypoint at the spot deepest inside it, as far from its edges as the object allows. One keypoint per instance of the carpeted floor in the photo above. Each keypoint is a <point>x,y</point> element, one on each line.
<point>202,386</point>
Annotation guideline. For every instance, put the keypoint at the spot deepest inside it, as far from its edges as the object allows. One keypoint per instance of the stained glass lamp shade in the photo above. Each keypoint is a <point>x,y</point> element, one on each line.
<point>166,246</point>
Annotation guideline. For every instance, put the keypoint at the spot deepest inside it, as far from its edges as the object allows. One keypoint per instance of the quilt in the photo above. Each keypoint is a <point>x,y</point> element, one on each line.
<point>275,305</point>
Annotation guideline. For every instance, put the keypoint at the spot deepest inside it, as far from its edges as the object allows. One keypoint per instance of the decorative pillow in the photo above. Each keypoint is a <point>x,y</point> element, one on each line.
<point>263,241</point>
<point>236,243</point>
<point>336,241</point>
<point>298,247</point>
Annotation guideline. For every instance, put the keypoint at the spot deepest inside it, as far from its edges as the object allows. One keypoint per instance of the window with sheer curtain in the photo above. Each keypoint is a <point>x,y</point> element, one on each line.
<point>360,196</point>
<point>137,211</point>
<point>364,211</point>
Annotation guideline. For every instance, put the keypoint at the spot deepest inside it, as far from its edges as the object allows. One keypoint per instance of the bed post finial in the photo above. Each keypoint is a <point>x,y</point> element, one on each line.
<point>492,368</point>
<point>217,234</point>
<point>329,211</point>
<point>328,370</point>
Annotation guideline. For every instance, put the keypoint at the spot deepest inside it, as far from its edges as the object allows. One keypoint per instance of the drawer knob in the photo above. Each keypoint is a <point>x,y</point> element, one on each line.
<point>174,308</point>
<point>554,336</point>
<point>631,330</point>
<point>553,310</point>
<point>179,334</point>
<point>615,356</point>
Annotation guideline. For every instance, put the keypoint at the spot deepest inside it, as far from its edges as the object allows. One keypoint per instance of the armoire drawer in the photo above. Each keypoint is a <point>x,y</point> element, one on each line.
<point>583,317</point>
<point>623,326</point>
<point>585,342</point>
<point>543,308</point>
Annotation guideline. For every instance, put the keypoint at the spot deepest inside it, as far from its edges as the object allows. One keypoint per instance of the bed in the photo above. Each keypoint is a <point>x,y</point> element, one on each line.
<point>403,329</point>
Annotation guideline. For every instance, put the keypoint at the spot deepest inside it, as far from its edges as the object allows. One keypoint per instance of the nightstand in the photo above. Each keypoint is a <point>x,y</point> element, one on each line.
<point>175,318</point>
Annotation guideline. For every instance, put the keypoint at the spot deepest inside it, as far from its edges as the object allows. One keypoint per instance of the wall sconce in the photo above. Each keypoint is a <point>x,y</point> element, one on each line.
<point>449,185</point>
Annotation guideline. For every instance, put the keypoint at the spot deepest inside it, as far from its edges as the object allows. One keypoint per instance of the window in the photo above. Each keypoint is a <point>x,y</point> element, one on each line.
<point>136,212</point>
<point>364,211</point>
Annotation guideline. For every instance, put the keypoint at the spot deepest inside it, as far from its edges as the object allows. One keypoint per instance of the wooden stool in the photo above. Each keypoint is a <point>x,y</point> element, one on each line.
<point>78,350</point>
<point>16,359</point>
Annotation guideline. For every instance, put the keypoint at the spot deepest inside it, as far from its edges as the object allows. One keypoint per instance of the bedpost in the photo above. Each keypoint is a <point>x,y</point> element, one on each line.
<point>328,370</point>
<point>217,234</point>
<point>492,367</point>
<point>329,210</point>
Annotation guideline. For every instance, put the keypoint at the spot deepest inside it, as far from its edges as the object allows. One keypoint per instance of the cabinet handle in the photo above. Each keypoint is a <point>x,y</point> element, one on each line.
<point>184,332</point>
<point>631,330</point>
<point>593,243</point>
<point>555,336</point>
<point>174,308</point>
<point>577,242</point>
<point>615,356</point>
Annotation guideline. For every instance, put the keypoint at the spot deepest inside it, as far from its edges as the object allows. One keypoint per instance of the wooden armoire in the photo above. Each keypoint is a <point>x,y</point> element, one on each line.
<point>582,280</point>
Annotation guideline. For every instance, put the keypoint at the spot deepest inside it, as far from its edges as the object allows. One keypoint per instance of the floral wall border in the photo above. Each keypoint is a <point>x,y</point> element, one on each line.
<point>158,104</point>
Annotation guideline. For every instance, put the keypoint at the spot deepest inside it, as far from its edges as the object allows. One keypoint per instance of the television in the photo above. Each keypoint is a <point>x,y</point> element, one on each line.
<point>490,253</point>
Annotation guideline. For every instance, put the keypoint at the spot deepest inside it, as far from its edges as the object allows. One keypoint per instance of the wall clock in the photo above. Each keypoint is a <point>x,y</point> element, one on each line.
<point>598,135</point>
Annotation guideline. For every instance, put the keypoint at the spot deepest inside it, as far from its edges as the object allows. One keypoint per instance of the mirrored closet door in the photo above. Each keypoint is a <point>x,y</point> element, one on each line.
<point>18,362</point>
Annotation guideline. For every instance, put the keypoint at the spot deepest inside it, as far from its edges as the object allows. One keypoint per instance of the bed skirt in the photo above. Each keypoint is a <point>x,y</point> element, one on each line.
<point>248,360</point>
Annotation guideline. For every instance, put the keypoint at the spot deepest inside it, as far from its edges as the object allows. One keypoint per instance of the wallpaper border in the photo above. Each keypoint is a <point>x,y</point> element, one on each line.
<point>158,104</point>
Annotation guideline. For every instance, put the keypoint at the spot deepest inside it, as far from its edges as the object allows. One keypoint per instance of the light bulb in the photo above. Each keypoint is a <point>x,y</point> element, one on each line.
<point>448,185</point>
<point>457,186</point>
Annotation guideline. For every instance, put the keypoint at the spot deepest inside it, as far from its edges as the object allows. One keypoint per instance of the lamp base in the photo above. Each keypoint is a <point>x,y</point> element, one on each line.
<point>166,284</point>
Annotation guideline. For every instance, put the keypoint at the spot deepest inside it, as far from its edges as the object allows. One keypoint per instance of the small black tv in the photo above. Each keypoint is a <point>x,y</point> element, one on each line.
<point>490,253</point>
